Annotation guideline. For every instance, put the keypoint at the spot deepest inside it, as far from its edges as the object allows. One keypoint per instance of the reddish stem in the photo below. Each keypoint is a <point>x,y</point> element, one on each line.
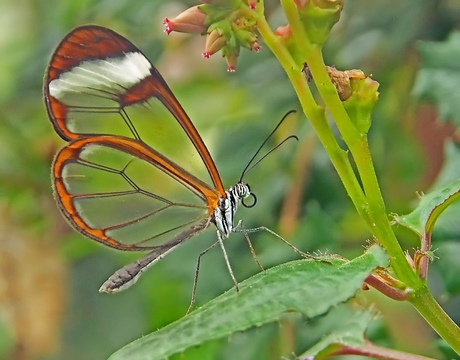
<point>376,352</point>
<point>425,247</point>
<point>384,288</point>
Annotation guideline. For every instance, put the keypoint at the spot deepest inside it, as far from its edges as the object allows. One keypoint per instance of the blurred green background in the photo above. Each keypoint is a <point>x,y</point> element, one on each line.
<point>49,275</point>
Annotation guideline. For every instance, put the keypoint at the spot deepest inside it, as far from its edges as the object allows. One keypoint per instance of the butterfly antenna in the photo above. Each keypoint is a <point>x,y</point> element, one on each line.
<point>248,166</point>
<point>276,147</point>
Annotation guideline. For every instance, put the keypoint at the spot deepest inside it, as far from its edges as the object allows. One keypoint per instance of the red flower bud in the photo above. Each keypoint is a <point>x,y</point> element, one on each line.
<point>283,31</point>
<point>189,21</point>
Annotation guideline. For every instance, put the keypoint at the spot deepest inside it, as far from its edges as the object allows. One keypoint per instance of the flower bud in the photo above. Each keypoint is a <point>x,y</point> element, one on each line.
<point>247,39</point>
<point>253,4</point>
<point>231,56</point>
<point>214,42</point>
<point>285,34</point>
<point>190,21</point>
<point>318,17</point>
<point>361,102</point>
<point>228,28</point>
<point>283,31</point>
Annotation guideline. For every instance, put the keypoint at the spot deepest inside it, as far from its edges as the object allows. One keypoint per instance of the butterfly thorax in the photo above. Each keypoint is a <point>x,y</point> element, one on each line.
<point>226,208</point>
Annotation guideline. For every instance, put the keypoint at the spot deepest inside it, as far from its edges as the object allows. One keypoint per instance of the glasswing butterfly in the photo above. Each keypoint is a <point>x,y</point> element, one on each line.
<point>126,191</point>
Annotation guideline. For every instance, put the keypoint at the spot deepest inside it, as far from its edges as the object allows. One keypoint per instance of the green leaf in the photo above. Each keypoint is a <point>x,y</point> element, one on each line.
<point>347,326</point>
<point>447,226</point>
<point>307,286</point>
<point>431,206</point>
<point>439,78</point>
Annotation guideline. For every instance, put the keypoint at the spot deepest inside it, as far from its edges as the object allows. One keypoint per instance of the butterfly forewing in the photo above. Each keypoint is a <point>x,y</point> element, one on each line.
<point>100,83</point>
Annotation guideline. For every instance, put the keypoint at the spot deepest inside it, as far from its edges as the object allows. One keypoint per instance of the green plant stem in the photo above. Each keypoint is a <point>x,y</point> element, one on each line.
<point>316,114</point>
<point>428,307</point>
<point>358,145</point>
<point>369,204</point>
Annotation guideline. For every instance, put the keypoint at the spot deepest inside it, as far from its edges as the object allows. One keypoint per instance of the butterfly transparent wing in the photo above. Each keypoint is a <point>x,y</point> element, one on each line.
<point>126,195</point>
<point>100,83</point>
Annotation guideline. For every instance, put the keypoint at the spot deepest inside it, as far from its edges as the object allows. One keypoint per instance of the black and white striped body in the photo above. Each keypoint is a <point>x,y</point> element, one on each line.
<point>224,214</point>
<point>223,218</point>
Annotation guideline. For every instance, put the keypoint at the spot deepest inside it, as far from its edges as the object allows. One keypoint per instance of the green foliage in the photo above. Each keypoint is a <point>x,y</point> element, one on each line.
<point>345,326</point>
<point>445,233</point>
<point>439,76</point>
<point>306,286</point>
<point>432,205</point>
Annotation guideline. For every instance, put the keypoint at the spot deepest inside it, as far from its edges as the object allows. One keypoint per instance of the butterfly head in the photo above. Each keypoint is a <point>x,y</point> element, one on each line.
<point>243,191</point>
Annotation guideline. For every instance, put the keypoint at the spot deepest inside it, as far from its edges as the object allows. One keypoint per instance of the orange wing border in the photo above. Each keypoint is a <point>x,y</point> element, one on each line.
<point>91,42</point>
<point>71,152</point>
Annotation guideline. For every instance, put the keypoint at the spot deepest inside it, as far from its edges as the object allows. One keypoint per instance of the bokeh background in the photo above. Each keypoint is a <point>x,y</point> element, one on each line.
<point>49,275</point>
